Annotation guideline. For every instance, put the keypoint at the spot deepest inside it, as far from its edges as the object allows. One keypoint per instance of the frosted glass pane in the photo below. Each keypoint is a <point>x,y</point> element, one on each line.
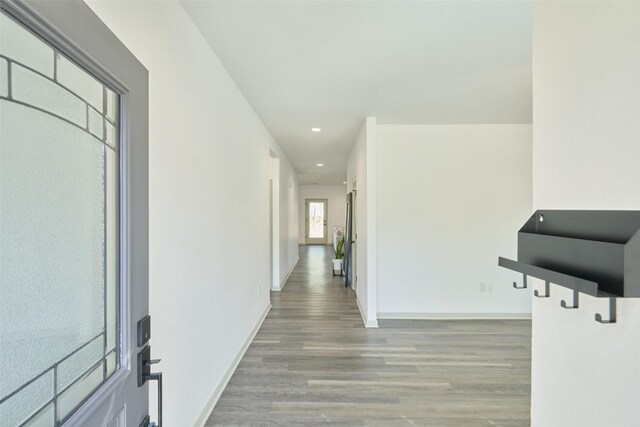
<point>112,137</point>
<point>79,391</point>
<point>44,419</point>
<point>112,247</point>
<point>111,363</point>
<point>96,123</point>
<point>316,220</point>
<point>35,90</point>
<point>112,106</point>
<point>58,231</point>
<point>76,365</point>
<point>79,82</point>
<point>22,405</point>
<point>20,45</point>
<point>52,245</point>
<point>4,79</point>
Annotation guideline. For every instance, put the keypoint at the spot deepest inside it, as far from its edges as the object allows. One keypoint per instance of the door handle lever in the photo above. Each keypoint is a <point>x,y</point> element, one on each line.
<point>157,376</point>
<point>144,374</point>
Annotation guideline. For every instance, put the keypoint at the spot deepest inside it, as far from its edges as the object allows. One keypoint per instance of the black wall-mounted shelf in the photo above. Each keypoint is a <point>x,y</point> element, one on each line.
<point>591,252</point>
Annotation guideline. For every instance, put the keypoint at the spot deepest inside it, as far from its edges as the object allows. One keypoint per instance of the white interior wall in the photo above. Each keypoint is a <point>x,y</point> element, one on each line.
<point>274,183</point>
<point>586,152</point>
<point>361,167</point>
<point>371,221</point>
<point>209,198</point>
<point>356,169</point>
<point>288,196</point>
<point>450,200</point>
<point>336,196</point>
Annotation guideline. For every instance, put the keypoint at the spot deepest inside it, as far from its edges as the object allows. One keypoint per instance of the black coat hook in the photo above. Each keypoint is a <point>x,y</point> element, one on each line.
<point>547,291</point>
<point>612,313</point>
<point>563,303</point>
<point>524,283</point>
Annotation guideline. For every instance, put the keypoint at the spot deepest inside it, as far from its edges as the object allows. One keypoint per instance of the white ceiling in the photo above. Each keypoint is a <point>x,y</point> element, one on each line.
<point>330,64</point>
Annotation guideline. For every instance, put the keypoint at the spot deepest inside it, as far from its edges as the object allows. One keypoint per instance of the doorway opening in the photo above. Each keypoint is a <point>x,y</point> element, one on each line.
<point>354,237</point>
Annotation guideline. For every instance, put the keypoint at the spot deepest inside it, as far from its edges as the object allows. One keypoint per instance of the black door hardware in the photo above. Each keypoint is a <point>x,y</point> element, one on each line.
<point>144,330</point>
<point>146,422</point>
<point>144,367</point>
<point>145,374</point>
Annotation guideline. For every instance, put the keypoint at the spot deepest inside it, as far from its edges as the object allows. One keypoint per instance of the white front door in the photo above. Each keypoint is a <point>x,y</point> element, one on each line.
<point>73,219</point>
<point>316,221</point>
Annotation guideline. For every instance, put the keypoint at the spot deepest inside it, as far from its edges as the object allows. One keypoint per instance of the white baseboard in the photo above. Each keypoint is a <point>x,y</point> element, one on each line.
<point>371,324</point>
<point>454,316</point>
<point>367,323</point>
<point>211,403</point>
<point>287,276</point>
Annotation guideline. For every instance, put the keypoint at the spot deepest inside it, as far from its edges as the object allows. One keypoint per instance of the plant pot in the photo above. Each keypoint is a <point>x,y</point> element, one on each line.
<point>337,266</point>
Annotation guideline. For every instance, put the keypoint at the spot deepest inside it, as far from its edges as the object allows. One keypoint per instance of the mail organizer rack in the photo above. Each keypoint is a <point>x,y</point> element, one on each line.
<point>591,252</point>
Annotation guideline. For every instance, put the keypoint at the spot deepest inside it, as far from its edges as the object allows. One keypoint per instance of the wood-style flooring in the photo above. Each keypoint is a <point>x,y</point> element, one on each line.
<point>313,363</point>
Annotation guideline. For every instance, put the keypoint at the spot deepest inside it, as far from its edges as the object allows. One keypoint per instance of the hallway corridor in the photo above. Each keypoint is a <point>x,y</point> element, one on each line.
<point>313,363</point>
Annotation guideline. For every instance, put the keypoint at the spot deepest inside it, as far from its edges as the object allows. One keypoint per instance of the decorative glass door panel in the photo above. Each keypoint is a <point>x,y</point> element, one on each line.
<point>59,230</point>
<point>316,221</point>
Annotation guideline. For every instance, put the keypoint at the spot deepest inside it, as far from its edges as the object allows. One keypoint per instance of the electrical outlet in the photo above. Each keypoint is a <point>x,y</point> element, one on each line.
<point>489,287</point>
<point>482,287</point>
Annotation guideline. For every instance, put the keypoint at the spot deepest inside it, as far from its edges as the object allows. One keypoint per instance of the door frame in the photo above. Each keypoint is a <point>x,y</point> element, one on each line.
<point>354,233</point>
<point>348,239</point>
<point>65,25</point>
<point>311,240</point>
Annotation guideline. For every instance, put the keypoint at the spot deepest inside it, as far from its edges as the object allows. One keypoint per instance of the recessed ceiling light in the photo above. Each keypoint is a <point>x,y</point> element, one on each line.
<point>320,164</point>
<point>345,182</point>
<point>316,130</point>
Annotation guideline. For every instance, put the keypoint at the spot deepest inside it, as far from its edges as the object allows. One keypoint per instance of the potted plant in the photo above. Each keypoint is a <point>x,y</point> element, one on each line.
<point>337,258</point>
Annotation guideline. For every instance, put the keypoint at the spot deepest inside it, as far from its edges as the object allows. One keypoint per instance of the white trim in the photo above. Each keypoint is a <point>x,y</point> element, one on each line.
<point>454,316</point>
<point>99,397</point>
<point>211,403</point>
<point>367,323</point>
<point>287,276</point>
<point>275,219</point>
<point>371,225</point>
<point>127,349</point>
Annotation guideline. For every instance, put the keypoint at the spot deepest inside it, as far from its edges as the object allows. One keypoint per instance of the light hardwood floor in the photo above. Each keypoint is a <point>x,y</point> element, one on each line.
<point>313,363</point>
